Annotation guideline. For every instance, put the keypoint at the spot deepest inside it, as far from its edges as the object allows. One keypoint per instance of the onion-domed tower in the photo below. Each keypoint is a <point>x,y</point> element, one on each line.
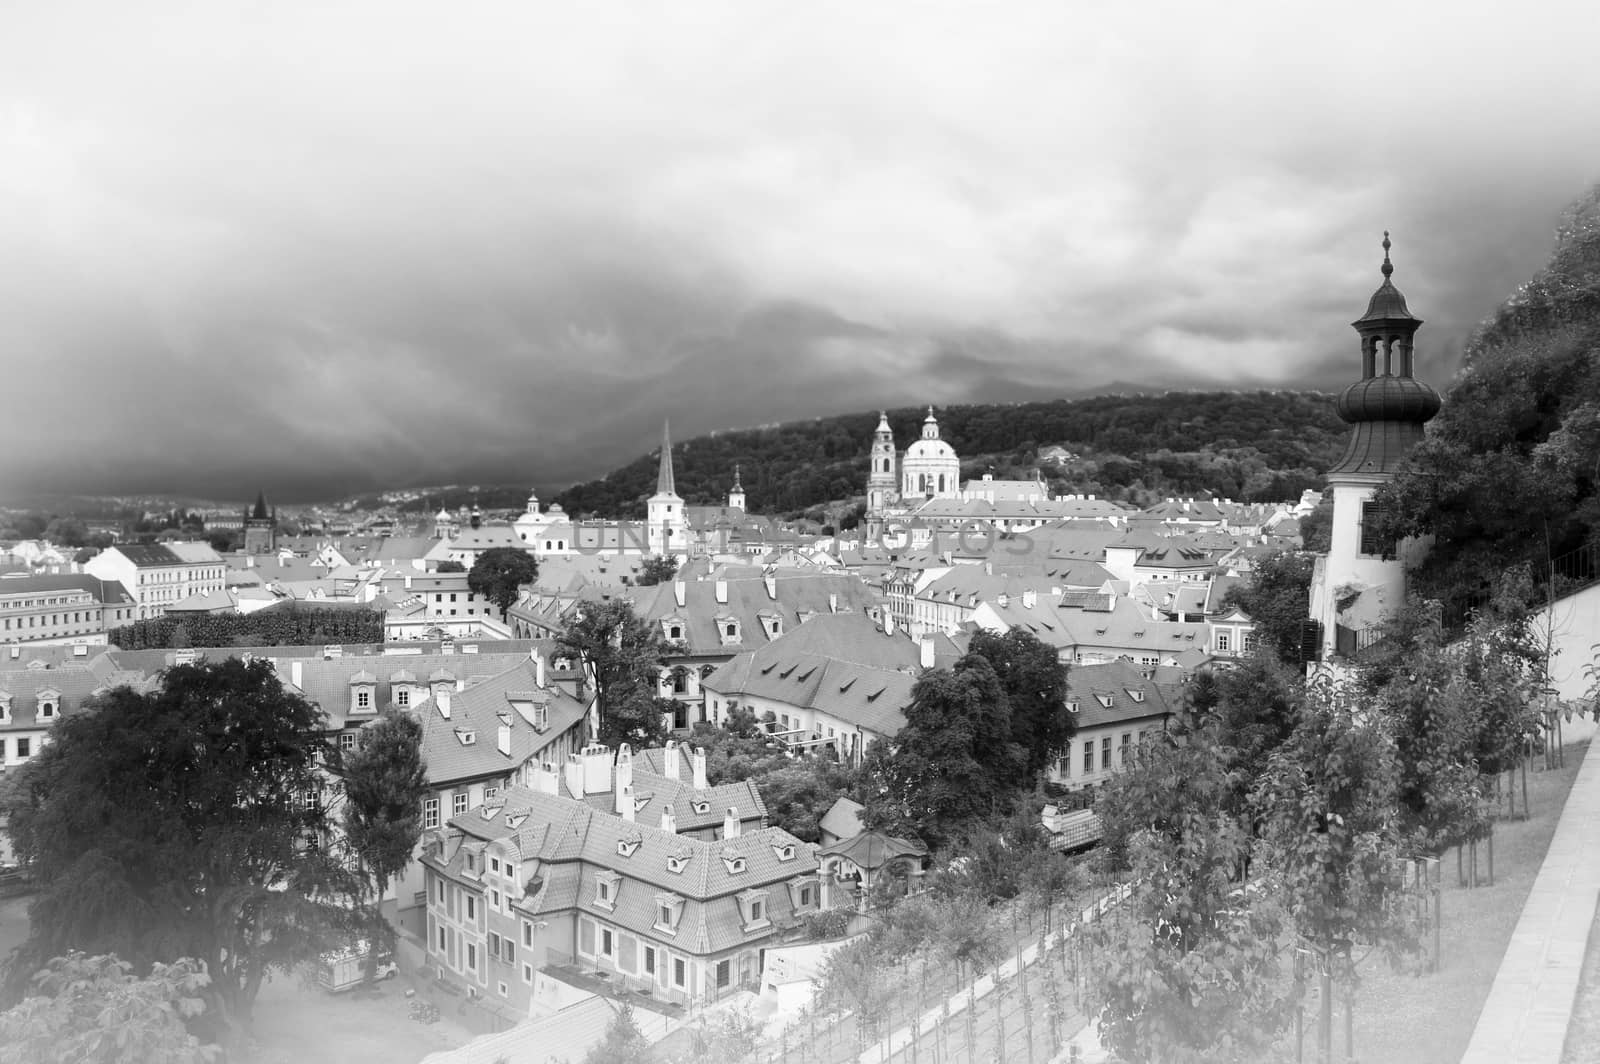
<point>1362,578</point>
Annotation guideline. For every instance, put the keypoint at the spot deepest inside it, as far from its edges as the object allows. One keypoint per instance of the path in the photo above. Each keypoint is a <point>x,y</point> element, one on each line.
<point>1525,1019</point>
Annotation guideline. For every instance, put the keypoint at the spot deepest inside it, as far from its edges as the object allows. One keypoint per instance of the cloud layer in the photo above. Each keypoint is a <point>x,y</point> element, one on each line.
<point>321,250</point>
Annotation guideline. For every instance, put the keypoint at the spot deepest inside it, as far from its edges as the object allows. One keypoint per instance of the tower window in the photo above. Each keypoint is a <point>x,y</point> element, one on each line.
<point>1373,539</point>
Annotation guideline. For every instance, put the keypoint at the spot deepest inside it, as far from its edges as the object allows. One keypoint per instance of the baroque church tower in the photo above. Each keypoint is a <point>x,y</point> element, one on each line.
<point>667,529</point>
<point>882,477</point>
<point>1362,578</point>
<point>736,494</point>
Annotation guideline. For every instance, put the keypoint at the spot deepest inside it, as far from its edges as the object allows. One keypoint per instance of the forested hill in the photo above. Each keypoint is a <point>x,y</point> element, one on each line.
<point>1243,445</point>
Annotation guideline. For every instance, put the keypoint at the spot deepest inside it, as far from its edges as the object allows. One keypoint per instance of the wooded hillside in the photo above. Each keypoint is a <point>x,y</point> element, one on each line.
<point>1243,445</point>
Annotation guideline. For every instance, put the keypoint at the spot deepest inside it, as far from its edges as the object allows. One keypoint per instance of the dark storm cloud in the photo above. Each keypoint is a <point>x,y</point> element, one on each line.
<point>379,244</point>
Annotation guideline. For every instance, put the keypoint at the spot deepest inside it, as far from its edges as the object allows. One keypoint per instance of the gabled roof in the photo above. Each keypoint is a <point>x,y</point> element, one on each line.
<point>481,709</point>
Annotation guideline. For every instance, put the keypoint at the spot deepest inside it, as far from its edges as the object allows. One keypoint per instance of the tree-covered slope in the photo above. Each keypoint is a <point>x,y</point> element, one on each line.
<point>1242,445</point>
<point>1509,473</point>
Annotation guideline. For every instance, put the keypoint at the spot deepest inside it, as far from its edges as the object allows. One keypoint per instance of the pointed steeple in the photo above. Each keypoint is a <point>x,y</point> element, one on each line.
<point>664,485</point>
<point>736,485</point>
<point>260,512</point>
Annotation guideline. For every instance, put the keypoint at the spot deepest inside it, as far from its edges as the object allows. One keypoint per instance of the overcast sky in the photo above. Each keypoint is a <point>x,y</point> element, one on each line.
<point>324,247</point>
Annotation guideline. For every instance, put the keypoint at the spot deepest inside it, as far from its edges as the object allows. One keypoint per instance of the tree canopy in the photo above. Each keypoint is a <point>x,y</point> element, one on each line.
<point>1035,683</point>
<point>385,780</point>
<point>93,1010</point>
<point>1277,597</point>
<point>623,657</point>
<point>183,822</point>
<point>499,574</point>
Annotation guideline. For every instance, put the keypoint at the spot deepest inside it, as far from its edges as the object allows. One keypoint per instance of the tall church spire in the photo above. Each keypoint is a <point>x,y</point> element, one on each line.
<point>664,484</point>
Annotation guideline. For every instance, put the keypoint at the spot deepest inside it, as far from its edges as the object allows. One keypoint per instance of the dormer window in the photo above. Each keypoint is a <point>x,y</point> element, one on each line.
<point>1136,695</point>
<point>5,707</point>
<point>47,708</point>
<point>402,696</point>
<point>628,845</point>
<point>1104,700</point>
<point>466,736</point>
<point>734,862</point>
<point>489,812</point>
<point>677,862</point>
<point>701,807</point>
<point>606,885</point>
<point>784,851</point>
<point>669,907</point>
<point>753,907</point>
<point>514,820</point>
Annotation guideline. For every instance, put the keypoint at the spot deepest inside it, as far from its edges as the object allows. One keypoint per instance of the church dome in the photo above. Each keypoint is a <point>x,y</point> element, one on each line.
<point>931,449</point>
<point>1387,399</point>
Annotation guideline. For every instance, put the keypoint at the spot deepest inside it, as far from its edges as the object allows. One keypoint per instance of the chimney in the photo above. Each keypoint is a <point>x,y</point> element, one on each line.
<point>503,736</point>
<point>698,760</point>
<point>297,671</point>
<point>625,804</point>
<point>925,650</point>
<point>730,823</point>
<point>572,775</point>
<point>722,592</point>
<point>988,568</point>
<point>669,820</point>
<point>888,623</point>
<point>1029,597</point>
<point>538,670</point>
<point>772,587</point>
<point>624,771</point>
<point>596,768</point>
<point>547,780</point>
<point>669,760</point>
<point>441,697</point>
<point>680,591</point>
<point>249,561</point>
<point>833,602</point>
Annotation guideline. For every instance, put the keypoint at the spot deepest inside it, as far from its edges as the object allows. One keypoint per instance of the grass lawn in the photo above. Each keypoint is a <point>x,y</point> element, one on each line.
<point>1401,1019</point>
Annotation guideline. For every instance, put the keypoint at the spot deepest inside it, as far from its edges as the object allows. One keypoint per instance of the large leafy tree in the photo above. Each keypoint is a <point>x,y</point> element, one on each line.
<point>1278,599</point>
<point>183,822</point>
<point>954,762</point>
<point>1035,683</point>
<point>622,656</point>
<point>385,780</point>
<point>94,1010</point>
<point>499,574</point>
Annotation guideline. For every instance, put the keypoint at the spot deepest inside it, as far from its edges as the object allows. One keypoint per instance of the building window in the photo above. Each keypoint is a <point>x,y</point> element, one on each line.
<point>472,907</point>
<point>472,957</point>
<point>1224,643</point>
<point>607,946</point>
<point>441,939</point>
<point>679,972</point>
<point>527,974</point>
<point>363,699</point>
<point>649,960</point>
<point>805,895</point>
<point>1122,751</point>
<point>24,749</point>
<point>347,740</point>
<point>1105,752</point>
<point>430,812</point>
<point>1088,756</point>
<point>402,696</point>
<point>458,803</point>
<point>494,945</point>
<point>724,973</point>
<point>527,934</point>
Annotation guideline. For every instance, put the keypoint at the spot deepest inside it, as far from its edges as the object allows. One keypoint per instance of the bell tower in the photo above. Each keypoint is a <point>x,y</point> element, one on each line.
<point>260,527</point>
<point>1362,578</point>
<point>667,529</point>
<point>736,494</point>
<point>882,477</point>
